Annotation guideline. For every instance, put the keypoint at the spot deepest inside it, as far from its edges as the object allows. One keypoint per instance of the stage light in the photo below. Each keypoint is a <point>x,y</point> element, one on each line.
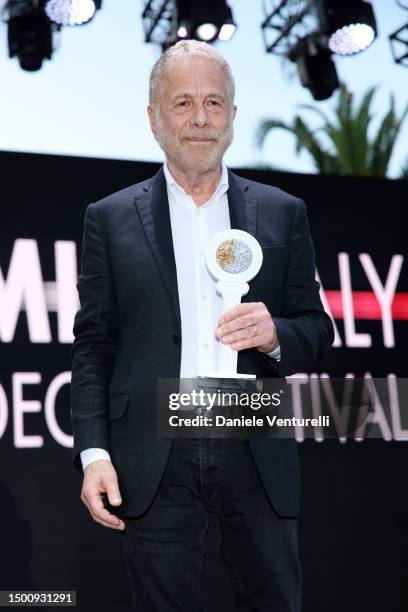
<point>317,70</point>
<point>207,20</point>
<point>71,12</point>
<point>182,32</point>
<point>351,39</point>
<point>207,31</point>
<point>228,27</point>
<point>349,24</point>
<point>29,34</point>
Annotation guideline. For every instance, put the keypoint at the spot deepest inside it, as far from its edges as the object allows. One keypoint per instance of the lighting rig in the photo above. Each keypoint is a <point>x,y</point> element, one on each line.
<point>32,24</point>
<point>311,32</point>
<point>168,21</point>
<point>399,40</point>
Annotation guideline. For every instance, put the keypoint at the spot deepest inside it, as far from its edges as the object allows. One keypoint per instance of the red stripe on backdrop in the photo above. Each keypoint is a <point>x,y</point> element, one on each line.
<point>366,306</point>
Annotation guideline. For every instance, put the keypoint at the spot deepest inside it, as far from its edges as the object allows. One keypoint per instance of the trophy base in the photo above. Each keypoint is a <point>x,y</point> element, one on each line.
<point>226,374</point>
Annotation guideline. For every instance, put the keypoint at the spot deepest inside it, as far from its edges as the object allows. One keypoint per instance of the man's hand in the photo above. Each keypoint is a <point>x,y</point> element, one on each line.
<point>248,325</point>
<point>99,478</point>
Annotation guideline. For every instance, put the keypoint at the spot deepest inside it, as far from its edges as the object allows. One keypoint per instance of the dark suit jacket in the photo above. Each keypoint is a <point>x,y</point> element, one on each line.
<point>128,329</point>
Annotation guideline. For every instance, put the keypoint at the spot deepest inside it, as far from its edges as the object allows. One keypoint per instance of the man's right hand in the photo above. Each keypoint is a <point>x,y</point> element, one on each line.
<point>100,478</point>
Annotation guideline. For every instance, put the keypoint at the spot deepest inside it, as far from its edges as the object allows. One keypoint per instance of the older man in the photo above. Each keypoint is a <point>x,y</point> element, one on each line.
<point>149,310</point>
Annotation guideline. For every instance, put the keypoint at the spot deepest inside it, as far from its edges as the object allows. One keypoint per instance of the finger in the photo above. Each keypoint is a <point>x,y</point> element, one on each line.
<point>119,527</point>
<point>250,332</point>
<point>246,343</point>
<point>106,517</point>
<point>117,524</point>
<point>112,490</point>
<point>236,311</point>
<point>248,320</point>
<point>99,511</point>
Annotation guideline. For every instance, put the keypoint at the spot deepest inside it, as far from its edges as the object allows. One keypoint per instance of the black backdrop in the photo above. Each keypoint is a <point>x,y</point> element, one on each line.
<point>353,524</point>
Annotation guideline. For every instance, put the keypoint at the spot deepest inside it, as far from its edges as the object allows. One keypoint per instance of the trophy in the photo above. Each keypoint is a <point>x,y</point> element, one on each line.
<point>233,258</point>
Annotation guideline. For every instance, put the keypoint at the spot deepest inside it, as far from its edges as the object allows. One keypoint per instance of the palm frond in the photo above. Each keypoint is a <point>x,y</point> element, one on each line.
<point>265,127</point>
<point>351,151</point>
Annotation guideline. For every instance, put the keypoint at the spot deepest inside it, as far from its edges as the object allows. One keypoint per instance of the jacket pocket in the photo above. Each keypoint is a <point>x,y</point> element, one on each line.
<point>118,404</point>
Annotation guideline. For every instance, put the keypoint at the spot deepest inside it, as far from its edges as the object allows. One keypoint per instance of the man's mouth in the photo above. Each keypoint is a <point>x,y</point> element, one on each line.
<point>201,139</point>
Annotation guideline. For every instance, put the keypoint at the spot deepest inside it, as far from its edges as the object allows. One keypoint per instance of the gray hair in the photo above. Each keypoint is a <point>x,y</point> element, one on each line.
<point>185,49</point>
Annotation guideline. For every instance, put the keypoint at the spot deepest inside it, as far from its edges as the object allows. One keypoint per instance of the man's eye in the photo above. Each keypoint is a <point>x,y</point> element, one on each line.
<point>214,102</point>
<point>182,103</point>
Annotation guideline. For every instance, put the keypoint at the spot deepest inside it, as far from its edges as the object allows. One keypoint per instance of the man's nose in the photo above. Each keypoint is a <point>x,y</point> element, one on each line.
<point>200,115</point>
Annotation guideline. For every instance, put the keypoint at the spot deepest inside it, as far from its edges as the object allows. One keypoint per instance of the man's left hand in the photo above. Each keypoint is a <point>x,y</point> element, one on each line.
<point>248,325</point>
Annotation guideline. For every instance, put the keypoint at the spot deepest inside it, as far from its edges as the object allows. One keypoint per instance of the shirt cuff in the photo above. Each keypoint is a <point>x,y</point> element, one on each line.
<point>276,353</point>
<point>92,454</point>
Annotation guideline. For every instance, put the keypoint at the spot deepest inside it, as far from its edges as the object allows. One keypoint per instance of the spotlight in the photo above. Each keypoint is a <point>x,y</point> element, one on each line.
<point>316,69</point>
<point>207,31</point>
<point>182,32</point>
<point>205,21</point>
<point>71,12</point>
<point>349,24</point>
<point>228,27</point>
<point>29,34</point>
<point>351,39</point>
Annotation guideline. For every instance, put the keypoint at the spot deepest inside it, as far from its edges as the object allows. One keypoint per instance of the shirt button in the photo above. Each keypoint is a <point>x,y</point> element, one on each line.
<point>204,298</point>
<point>206,345</point>
<point>198,211</point>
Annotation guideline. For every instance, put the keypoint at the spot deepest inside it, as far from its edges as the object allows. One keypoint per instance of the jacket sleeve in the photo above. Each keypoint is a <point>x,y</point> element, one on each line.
<point>95,343</point>
<point>305,331</point>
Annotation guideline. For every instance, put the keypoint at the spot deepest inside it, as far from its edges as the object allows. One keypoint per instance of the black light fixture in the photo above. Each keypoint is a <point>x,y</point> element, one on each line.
<point>32,23</point>
<point>317,70</point>
<point>71,12</point>
<point>349,24</point>
<point>207,20</point>
<point>29,33</point>
<point>311,32</point>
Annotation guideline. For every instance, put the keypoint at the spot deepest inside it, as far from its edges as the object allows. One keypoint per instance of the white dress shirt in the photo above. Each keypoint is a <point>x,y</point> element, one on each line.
<point>192,227</point>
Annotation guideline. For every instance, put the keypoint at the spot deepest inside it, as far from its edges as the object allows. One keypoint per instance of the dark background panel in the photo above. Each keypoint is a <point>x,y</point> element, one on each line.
<point>353,525</point>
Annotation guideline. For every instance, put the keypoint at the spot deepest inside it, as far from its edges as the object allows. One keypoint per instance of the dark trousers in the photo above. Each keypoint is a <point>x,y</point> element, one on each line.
<point>165,547</point>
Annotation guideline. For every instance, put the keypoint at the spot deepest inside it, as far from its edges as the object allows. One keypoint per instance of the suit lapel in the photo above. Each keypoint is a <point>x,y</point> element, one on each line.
<point>243,209</point>
<point>153,207</point>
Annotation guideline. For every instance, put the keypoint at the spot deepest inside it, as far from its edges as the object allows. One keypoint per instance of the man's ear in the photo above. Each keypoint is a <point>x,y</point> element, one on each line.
<point>234,111</point>
<point>152,118</point>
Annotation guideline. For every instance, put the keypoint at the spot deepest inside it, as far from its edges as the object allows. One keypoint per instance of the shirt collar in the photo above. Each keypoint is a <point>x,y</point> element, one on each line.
<point>221,188</point>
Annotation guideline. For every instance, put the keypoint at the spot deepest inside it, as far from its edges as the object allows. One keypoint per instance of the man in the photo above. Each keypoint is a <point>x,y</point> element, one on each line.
<point>149,310</point>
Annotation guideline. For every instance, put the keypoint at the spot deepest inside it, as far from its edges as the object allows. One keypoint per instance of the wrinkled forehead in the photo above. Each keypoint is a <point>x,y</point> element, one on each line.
<point>193,73</point>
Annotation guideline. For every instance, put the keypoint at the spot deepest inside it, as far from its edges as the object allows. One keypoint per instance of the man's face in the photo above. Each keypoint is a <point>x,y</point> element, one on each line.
<point>192,121</point>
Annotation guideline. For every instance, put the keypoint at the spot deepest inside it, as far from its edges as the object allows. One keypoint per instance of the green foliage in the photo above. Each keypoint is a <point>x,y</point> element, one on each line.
<point>351,149</point>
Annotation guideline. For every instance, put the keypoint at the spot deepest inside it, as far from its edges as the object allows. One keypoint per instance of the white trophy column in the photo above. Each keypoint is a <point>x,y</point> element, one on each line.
<point>231,296</point>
